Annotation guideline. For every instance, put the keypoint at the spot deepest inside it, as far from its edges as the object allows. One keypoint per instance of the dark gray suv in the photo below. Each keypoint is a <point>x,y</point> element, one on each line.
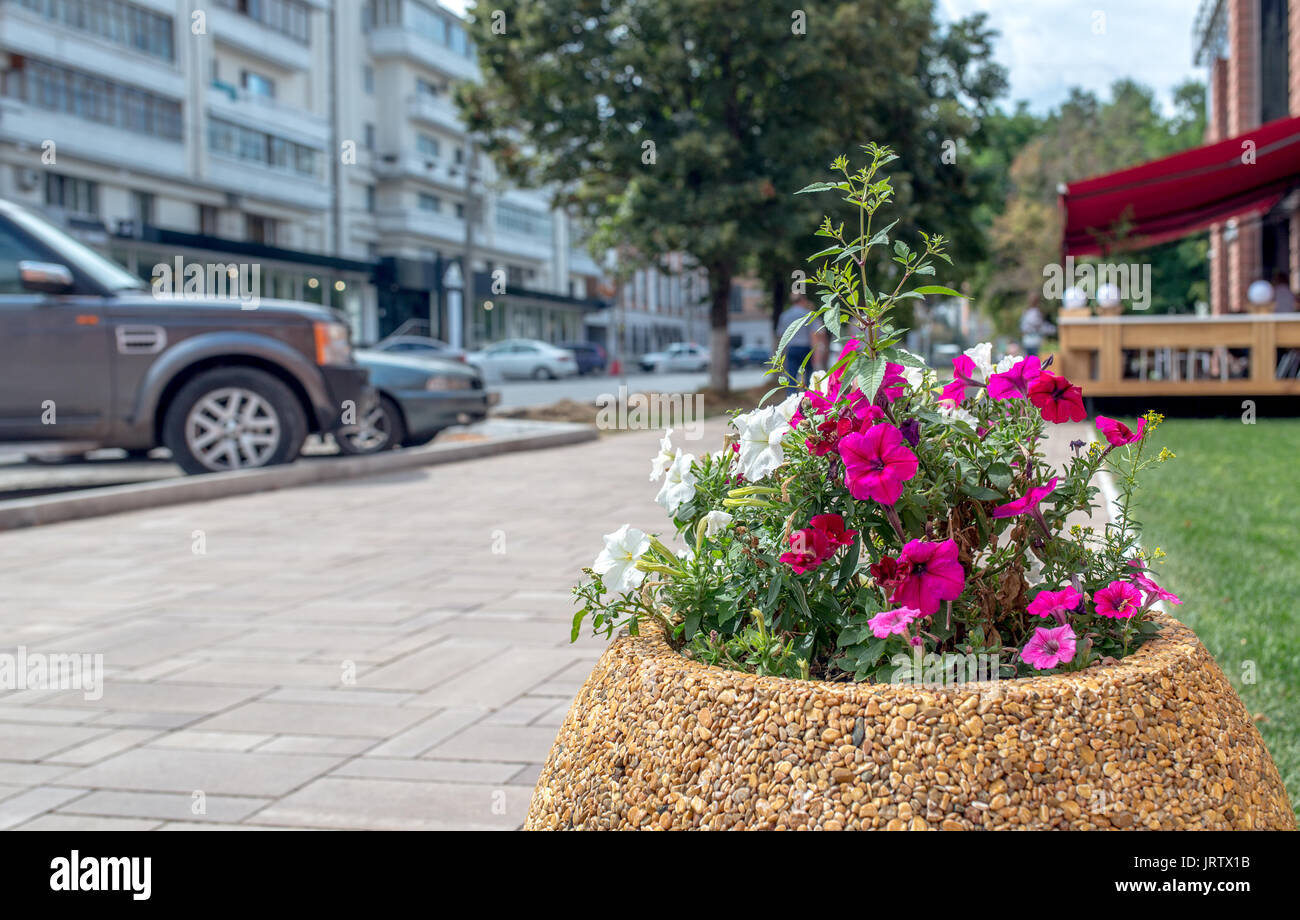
<point>89,354</point>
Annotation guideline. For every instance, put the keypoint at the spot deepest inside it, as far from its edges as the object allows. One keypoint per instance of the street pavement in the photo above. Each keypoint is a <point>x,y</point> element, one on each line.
<point>519,394</point>
<point>381,653</point>
<point>385,653</point>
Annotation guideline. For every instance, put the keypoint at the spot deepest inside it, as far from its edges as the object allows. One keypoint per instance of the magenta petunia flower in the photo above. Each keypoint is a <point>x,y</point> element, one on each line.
<point>1015,383</point>
<point>1056,399</point>
<point>1119,434</point>
<point>964,370</point>
<point>876,463</point>
<point>1118,600</point>
<point>1027,503</point>
<point>1151,588</point>
<point>894,382</point>
<point>953,394</point>
<point>928,573</point>
<point>892,622</point>
<point>1055,603</point>
<point>1048,648</point>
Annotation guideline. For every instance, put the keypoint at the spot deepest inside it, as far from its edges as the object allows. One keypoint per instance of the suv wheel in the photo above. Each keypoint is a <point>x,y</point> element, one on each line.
<point>380,429</point>
<point>234,418</point>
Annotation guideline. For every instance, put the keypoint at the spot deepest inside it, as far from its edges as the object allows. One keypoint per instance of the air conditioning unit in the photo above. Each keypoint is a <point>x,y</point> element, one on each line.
<point>27,178</point>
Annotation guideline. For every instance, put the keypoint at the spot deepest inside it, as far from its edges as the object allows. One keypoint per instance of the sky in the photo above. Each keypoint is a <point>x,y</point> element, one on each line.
<point>1048,46</point>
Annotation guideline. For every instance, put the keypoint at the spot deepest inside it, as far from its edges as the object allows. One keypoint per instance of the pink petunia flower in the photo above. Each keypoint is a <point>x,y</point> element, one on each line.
<point>1117,433</point>
<point>893,384</point>
<point>1151,588</point>
<point>1055,603</point>
<point>1015,383</point>
<point>1027,503</point>
<point>1118,600</point>
<point>952,394</point>
<point>928,573</point>
<point>892,622</point>
<point>1056,399</point>
<point>877,463</point>
<point>1048,648</point>
<point>965,371</point>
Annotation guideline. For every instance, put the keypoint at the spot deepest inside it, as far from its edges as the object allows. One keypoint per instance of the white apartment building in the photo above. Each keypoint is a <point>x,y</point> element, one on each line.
<point>314,137</point>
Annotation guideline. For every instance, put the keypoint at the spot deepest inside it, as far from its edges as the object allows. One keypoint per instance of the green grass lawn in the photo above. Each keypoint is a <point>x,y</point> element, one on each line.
<point>1227,511</point>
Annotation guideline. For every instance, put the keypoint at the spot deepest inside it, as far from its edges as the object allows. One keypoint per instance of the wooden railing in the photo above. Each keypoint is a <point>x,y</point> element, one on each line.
<point>1235,354</point>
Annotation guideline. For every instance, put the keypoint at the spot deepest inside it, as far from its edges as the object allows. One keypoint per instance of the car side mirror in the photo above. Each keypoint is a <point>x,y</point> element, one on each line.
<point>45,277</point>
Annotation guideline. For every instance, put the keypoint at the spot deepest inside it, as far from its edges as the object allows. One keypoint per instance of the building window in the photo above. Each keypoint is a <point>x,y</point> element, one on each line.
<point>288,17</point>
<point>515,219</point>
<point>460,210</point>
<point>368,78</point>
<point>370,136</point>
<point>61,89</point>
<point>255,84</point>
<point>438,27</point>
<point>1274,68</point>
<point>260,229</point>
<point>208,220</point>
<point>121,23</point>
<point>142,208</point>
<point>234,140</point>
<point>78,197</point>
<point>427,145</point>
<point>370,199</point>
<point>430,202</point>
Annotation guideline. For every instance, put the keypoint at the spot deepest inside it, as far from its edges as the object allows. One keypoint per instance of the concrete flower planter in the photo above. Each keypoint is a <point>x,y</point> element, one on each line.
<point>1161,740</point>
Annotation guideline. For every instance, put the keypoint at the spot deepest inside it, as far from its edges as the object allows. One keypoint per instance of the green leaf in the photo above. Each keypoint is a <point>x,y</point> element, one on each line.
<point>818,187</point>
<point>790,331</point>
<point>940,289</point>
<point>870,378</point>
<point>979,492</point>
<point>1000,474</point>
<point>880,237</point>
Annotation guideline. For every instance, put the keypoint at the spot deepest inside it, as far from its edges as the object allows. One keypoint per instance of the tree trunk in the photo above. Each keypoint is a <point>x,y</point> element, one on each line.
<point>719,340</point>
<point>777,281</point>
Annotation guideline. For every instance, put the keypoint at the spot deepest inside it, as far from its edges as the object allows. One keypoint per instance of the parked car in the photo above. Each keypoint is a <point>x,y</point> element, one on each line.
<point>419,346</point>
<point>589,355</point>
<point>680,356</point>
<point>417,398</point>
<point>750,356</point>
<point>93,358</point>
<point>525,358</point>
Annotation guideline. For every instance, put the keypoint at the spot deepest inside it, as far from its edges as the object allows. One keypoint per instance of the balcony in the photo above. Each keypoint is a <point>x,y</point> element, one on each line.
<point>252,37</point>
<point>237,105</point>
<point>434,110</point>
<point>257,180</point>
<point>92,140</point>
<point>427,225</point>
<point>396,42</point>
<point>419,166</point>
<point>1240,354</point>
<point>27,33</point>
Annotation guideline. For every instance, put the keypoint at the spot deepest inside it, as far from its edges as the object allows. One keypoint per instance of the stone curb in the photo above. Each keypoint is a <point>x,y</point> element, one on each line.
<point>53,509</point>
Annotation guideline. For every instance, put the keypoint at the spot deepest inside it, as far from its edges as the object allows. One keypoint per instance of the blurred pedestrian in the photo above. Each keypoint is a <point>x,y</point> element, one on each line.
<point>1033,327</point>
<point>1283,296</point>
<point>800,345</point>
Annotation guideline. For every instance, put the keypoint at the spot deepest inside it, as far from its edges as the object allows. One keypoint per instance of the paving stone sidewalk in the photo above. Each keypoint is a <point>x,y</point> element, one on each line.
<point>386,653</point>
<point>389,652</point>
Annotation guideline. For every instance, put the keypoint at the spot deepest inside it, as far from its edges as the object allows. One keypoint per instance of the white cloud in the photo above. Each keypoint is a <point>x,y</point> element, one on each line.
<point>1049,46</point>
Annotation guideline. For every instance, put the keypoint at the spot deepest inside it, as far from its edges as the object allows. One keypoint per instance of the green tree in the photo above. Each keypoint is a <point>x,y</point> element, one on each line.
<point>685,125</point>
<point>1085,137</point>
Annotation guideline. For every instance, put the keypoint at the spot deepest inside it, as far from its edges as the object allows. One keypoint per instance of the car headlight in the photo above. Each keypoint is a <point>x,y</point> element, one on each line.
<point>333,345</point>
<point>447,382</point>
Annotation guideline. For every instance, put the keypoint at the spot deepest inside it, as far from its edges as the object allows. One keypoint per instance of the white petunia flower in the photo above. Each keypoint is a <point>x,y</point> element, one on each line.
<point>659,464</point>
<point>761,432</point>
<point>788,408</point>
<point>1007,363</point>
<point>715,522</point>
<point>617,561</point>
<point>914,376</point>
<point>957,414</point>
<point>679,483</point>
<point>982,355</point>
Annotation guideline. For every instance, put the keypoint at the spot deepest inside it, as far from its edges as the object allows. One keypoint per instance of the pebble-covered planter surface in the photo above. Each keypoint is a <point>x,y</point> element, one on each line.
<point>1160,740</point>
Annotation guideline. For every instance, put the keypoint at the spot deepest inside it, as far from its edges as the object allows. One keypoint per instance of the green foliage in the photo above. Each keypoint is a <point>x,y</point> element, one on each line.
<point>683,125</point>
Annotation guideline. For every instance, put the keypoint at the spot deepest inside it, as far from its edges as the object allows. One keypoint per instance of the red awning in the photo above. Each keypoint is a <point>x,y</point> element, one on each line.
<point>1181,194</point>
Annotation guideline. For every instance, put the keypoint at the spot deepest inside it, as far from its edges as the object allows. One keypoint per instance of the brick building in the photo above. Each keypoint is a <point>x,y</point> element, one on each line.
<point>1252,51</point>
